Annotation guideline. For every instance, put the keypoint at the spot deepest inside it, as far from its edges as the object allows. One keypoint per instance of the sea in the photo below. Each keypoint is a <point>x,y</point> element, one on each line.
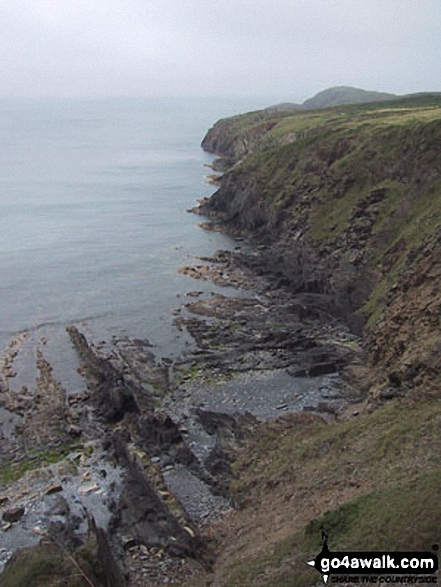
<point>94,222</point>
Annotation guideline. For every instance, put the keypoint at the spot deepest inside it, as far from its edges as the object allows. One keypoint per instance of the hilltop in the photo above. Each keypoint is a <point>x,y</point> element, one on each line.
<point>341,95</point>
<point>336,96</point>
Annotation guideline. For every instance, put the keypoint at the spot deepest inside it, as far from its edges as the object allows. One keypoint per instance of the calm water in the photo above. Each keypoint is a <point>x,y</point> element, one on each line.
<point>93,221</point>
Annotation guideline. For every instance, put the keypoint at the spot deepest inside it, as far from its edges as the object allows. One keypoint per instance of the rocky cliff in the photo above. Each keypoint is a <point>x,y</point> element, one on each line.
<point>343,206</point>
<point>224,466</point>
<point>348,200</point>
<point>237,136</point>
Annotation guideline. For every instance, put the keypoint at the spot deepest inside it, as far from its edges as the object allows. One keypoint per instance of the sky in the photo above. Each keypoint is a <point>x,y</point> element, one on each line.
<point>285,49</point>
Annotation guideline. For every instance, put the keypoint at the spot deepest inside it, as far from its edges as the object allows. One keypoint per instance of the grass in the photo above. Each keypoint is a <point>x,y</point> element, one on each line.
<point>400,518</point>
<point>398,427</point>
<point>371,481</point>
<point>318,168</point>
<point>35,459</point>
<point>48,565</point>
<point>380,472</point>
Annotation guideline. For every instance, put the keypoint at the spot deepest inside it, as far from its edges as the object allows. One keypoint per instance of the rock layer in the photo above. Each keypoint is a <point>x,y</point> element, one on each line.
<point>347,211</point>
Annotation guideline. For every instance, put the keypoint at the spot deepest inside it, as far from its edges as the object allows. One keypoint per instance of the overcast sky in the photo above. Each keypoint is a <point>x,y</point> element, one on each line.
<point>289,49</point>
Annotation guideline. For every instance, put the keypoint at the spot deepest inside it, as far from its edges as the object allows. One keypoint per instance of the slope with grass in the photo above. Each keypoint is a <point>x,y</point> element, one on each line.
<point>347,201</point>
<point>237,136</point>
<point>372,482</point>
<point>349,198</point>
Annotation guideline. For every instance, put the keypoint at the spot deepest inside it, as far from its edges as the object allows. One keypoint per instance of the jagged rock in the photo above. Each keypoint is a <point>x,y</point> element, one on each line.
<point>54,489</point>
<point>113,395</point>
<point>145,518</point>
<point>161,436</point>
<point>13,515</point>
<point>322,369</point>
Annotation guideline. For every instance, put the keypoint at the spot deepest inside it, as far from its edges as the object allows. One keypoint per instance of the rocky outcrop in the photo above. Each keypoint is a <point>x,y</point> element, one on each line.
<point>345,211</point>
<point>143,517</point>
<point>405,341</point>
<point>231,142</point>
<point>113,394</point>
<point>236,137</point>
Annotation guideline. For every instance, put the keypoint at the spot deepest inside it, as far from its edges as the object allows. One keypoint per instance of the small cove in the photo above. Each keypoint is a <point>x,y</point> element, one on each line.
<point>94,224</point>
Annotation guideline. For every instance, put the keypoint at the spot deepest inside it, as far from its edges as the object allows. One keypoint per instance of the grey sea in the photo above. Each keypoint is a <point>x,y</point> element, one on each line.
<point>94,223</point>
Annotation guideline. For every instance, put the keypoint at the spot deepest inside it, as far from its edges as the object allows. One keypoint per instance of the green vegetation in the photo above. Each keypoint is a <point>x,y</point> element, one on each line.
<point>48,566</point>
<point>359,188</point>
<point>322,169</point>
<point>335,446</point>
<point>373,522</point>
<point>385,520</point>
<point>388,463</point>
<point>187,373</point>
<point>35,459</point>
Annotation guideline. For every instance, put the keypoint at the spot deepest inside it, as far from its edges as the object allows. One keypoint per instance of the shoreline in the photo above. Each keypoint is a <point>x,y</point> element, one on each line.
<point>244,346</point>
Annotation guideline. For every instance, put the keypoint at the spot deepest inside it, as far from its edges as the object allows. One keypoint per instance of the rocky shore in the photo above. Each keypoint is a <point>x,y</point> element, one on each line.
<point>143,453</point>
<point>220,467</point>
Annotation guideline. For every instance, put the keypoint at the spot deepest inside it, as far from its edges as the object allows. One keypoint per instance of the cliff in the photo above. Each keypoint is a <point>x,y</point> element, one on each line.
<point>237,136</point>
<point>349,199</point>
<point>345,202</point>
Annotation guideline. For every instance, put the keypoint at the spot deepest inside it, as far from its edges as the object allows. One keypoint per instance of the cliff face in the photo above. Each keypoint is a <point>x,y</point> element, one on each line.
<point>238,136</point>
<point>345,205</point>
<point>230,138</point>
<point>350,201</point>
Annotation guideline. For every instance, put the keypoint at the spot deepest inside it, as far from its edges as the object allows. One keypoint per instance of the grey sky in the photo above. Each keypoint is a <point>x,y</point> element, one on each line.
<point>288,49</point>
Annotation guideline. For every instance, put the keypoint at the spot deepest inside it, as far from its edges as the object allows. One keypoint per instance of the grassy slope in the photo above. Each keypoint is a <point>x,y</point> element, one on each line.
<point>329,161</point>
<point>372,480</point>
<point>48,565</point>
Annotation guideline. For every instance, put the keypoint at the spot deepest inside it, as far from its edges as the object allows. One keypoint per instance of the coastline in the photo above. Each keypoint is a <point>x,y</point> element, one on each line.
<point>225,462</point>
<point>258,356</point>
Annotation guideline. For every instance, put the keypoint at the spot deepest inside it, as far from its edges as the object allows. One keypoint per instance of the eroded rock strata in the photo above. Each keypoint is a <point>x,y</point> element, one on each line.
<point>309,402</point>
<point>346,209</point>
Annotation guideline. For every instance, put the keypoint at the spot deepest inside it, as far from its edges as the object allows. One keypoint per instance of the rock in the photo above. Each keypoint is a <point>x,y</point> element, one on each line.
<point>162,438</point>
<point>129,543</point>
<point>74,431</point>
<point>322,369</point>
<point>13,515</point>
<point>326,408</point>
<point>59,507</point>
<point>395,379</point>
<point>3,500</point>
<point>144,516</point>
<point>89,489</point>
<point>54,489</point>
<point>113,394</point>
<point>297,372</point>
